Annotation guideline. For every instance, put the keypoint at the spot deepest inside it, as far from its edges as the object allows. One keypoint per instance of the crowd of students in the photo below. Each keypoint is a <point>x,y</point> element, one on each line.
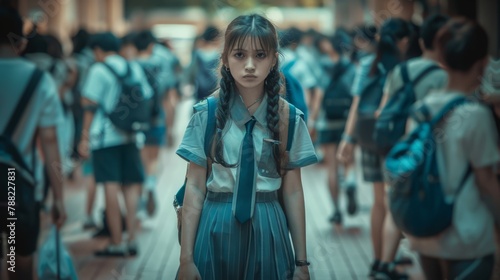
<point>278,100</point>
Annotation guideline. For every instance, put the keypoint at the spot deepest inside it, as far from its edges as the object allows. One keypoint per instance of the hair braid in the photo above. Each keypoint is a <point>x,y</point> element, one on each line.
<point>273,88</point>
<point>221,115</point>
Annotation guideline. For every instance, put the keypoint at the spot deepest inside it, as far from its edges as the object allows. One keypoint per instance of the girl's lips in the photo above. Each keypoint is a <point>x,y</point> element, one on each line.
<point>249,76</point>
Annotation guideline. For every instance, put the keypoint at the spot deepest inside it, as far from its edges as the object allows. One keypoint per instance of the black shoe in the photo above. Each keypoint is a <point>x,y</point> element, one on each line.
<point>374,269</point>
<point>389,272</point>
<point>336,218</point>
<point>112,251</point>
<point>132,248</point>
<point>352,204</point>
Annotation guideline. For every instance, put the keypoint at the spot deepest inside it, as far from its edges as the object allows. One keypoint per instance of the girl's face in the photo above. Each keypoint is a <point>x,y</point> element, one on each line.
<point>250,64</point>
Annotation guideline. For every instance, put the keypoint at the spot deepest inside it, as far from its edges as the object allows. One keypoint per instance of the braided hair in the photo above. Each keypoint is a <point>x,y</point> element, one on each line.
<point>264,33</point>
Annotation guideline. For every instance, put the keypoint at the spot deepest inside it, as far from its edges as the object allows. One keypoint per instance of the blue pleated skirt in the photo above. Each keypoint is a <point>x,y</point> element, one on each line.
<point>257,249</point>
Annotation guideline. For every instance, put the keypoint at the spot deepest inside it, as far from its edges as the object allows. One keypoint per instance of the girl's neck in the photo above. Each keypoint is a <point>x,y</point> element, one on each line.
<point>462,82</point>
<point>251,96</point>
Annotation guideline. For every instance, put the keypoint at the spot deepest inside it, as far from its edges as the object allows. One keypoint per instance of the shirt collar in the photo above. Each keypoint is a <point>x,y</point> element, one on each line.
<point>239,112</point>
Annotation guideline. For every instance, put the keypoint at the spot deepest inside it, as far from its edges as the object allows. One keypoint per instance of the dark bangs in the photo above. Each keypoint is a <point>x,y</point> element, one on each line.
<point>261,33</point>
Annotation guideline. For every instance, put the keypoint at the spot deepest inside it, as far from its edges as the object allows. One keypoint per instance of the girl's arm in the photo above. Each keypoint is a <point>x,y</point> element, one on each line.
<point>191,210</point>
<point>293,198</point>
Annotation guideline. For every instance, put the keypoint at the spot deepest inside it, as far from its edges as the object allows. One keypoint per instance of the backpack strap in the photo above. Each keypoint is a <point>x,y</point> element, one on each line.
<point>210,129</point>
<point>291,126</point>
<point>23,102</point>
<point>404,73</point>
<point>113,71</point>
<point>447,109</point>
<point>425,72</point>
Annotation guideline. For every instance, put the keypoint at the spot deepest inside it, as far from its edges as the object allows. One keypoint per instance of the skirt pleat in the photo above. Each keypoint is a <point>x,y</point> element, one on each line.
<point>257,249</point>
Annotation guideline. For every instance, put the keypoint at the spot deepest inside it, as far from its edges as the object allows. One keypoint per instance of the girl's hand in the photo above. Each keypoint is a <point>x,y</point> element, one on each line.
<point>189,271</point>
<point>301,273</point>
<point>345,152</point>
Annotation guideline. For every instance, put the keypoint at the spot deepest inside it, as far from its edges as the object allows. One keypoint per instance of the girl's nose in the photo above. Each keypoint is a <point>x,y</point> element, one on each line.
<point>249,66</point>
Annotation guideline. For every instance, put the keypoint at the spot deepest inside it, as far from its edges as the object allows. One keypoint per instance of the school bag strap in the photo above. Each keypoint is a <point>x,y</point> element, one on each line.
<point>23,102</point>
<point>291,126</point>
<point>210,129</point>
<point>404,73</point>
<point>113,71</point>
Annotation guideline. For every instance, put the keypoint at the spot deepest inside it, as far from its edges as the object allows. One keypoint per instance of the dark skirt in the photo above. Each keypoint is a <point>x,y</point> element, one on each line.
<point>257,249</point>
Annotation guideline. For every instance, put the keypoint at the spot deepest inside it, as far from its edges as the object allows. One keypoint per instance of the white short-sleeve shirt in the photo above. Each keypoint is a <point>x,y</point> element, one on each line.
<point>437,79</point>
<point>43,110</point>
<point>224,179</point>
<point>467,136</point>
<point>103,88</point>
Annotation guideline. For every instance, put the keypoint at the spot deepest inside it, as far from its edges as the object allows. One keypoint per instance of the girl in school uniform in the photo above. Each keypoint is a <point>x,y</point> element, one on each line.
<point>233,226</point>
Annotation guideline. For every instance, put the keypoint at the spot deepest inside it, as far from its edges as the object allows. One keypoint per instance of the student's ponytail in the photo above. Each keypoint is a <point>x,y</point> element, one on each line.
<point>388,54</point>
<point>221,114</point>
<point>273,85</point>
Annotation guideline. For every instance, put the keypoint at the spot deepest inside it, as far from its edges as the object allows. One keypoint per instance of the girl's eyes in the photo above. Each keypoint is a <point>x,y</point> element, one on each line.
<point>260,55</point>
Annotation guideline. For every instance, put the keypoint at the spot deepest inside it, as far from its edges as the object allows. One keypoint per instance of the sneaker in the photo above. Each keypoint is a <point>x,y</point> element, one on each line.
<point>112,251</point>
<point>336,218</point>
<point>352,205</point>
<point>151,203</point>
<point>132,248</point>
<point>389,272</point>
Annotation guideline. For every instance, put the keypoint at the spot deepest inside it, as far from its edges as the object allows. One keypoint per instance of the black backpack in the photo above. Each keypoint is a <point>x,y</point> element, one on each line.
<point>206,77</point>
<point>391,123</point>
<point>338,99</point>
<point>152,75</point>
<point>133,110</point>
<point>18,193</point>
<point>365,124</point>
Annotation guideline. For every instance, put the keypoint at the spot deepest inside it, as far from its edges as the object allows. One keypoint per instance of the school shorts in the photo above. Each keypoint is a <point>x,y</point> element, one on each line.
<point>332,136</point>
<point>372,165</point>
<point>26,231</point>
<point>118,164</point>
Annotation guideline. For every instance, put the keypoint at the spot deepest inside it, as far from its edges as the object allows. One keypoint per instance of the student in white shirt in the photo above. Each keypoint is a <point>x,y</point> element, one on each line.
<point>217,242</point>
<point>116,157</point>
<point>465,250</point>
<point>41,116</point>
<point>434,80</point>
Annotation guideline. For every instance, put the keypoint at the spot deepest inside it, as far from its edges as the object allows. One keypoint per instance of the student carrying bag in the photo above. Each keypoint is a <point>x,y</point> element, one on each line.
<point>18,179</point>
<point>209,132</point>
<point>417,200</point>
<point>133,110</point>
<point>390,125</point>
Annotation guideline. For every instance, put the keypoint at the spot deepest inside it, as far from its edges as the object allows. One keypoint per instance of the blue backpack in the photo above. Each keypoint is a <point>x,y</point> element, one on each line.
<point>416,200</point>
<point>391,123</point>
<point>294,91</point>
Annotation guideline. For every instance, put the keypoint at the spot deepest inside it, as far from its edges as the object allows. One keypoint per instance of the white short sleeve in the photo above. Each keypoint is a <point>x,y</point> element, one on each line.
<point>96,85</point>
<point>302,152</point>
<point>480,138</point>
<point>51,108</point>
<point>192,146</point>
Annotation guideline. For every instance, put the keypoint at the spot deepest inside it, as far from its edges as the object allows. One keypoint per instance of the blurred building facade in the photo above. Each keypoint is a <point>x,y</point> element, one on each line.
<point>63,17</point>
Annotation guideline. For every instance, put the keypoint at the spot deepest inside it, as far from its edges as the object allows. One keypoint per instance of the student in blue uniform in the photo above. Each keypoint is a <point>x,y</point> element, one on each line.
<point>245,235</point>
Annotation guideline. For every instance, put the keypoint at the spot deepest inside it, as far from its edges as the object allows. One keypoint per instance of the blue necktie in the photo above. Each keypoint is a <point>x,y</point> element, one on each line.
<point>245,191</point>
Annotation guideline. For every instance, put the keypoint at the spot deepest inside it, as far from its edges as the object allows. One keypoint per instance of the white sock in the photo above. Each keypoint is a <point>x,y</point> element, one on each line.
<point>150,184</point>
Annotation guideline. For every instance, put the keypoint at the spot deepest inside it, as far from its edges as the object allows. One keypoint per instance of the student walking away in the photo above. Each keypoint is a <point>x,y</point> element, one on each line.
<point>408,83</point>
<point>235,209</point>
<point>30,104</point>
<point>333,115</point>
<point>490,94</point>
<point>155,136</point>
<point>112,128</point>
<point>458,246</point>
<point>367,93</point>
<point>204,63</point>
